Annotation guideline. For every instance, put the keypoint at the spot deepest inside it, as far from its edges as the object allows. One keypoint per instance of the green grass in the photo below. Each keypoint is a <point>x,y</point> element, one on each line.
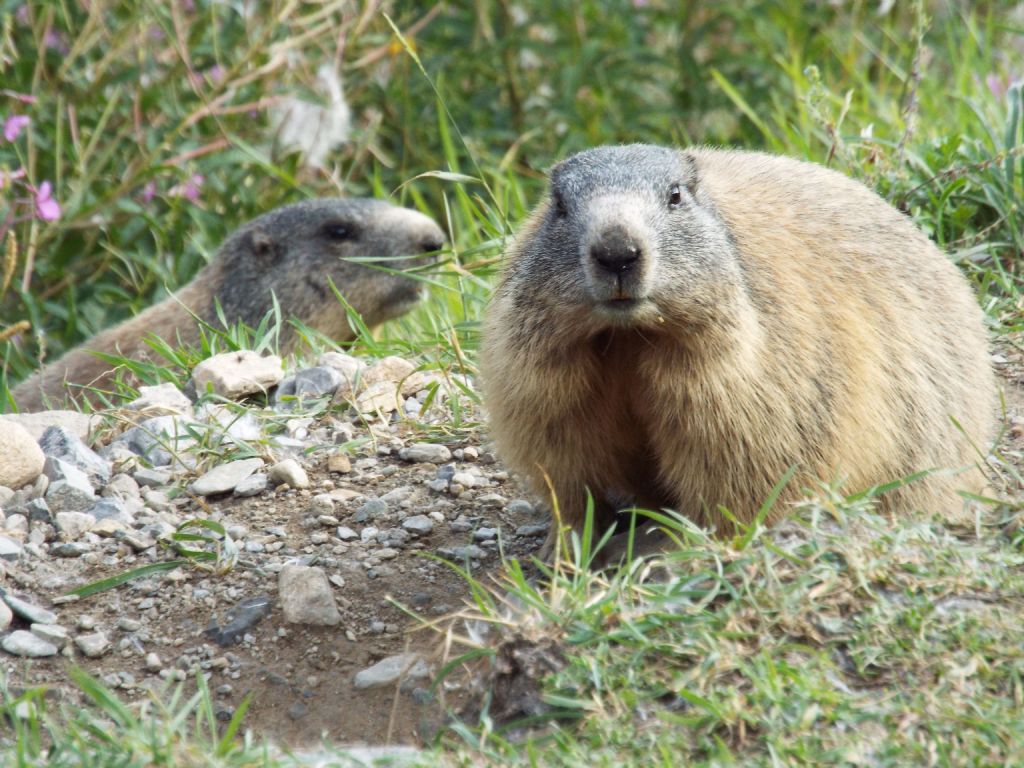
<point>839,638</point>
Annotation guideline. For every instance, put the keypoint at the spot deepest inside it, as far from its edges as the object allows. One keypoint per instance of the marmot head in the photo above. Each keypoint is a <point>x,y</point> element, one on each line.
<point>627,238</point>
<point>295,252</point>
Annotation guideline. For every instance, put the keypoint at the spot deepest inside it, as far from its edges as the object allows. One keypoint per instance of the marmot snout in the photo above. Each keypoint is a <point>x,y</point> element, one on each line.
<point>678,328</point>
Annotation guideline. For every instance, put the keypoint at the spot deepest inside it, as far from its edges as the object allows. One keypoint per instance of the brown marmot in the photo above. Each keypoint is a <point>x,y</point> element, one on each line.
<point>676,329</point>
<point>288,253</point>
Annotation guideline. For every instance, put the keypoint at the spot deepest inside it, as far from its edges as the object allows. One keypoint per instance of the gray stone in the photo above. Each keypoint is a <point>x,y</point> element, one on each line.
<point>419,525</point>
<point>93,645</point>
<point>239,620</point>
<point>373,508</point>
<point>71,549</point>
<point>485,534</point>
<point>519,507</point>
<point>153,439</point>
<point>163,398</point>
<point>347,534</point>
<point>61,443</point>
<point>157,500</point>
<point>289,471</point>
<point>74,524</point>
<point>38,511</point>
<point>51,633</point>
<point>390,670</point>
<point>121,486</point>
<point>16,522</point>
<point>152,478</point>
<point>28,611</point>
<point>69,496</point>
<point>37,423</point>
<point>224,477</point>
<point>5,494</point>
<point>112,509</point>
<point>426,452</point>
<point>348,366</point>
<point>237,374</point>
<point>6,616</point>
<point>21,460</point>
<point>538,529</point>
<point>238,426</point>
<point>306,596</point>
<point>253,485</point>
<point>317,382</point>
<point>10,550</point>
<point>25,644</point>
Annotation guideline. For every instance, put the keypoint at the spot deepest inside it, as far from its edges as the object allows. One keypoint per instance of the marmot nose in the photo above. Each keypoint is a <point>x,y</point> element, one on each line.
<point>616,252</point>
<point>431,244</point>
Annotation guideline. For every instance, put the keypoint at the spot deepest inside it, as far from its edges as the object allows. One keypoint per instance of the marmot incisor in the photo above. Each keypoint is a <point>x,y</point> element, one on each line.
<point>289,253</point>
<point>678,328</point>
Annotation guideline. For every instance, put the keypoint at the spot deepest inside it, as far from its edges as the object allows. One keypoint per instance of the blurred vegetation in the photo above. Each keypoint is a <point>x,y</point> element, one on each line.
<point>153,123</point>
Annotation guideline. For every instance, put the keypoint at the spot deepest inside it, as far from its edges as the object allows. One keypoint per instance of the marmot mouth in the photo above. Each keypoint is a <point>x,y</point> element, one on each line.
<point>629,311</point>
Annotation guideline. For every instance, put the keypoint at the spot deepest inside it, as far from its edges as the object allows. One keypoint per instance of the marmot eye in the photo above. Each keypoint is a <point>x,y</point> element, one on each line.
<point>339,231</point>
<point>675,196</point>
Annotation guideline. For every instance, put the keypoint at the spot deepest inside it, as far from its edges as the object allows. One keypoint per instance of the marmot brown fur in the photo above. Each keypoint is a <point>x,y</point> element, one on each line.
<point>289,253</point>
<point>676,329</point>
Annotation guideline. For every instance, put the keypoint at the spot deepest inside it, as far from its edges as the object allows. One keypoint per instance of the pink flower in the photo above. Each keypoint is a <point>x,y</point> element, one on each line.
<point>189,189</point>
<point>148,191</point>
<point>996,84</point>
<point>46,207</point>
<point>13,126</point>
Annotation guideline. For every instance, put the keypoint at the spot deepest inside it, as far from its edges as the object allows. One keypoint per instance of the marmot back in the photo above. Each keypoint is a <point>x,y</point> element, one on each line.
<point>678,328</point>
<point>292,253</point>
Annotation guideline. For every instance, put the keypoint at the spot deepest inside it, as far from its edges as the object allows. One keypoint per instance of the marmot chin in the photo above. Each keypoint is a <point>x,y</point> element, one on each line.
<point>677,328</point>
<point>288,253</point>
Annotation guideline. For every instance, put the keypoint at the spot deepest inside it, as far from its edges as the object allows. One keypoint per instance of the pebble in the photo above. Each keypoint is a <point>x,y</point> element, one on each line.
<point>93,645</point>
<point>306,596</point>
<point>339,462</point>
<point>519,507</point>
<point>61,443</point>
<point>28,611</point>
<point>10,550</point>
<point>162,398</point>
<point>65,496</point>
<point>224,477</point>
<point>38,511</point>
<point>237,374</point>
<point>153,663</point>
<point>152,478</point>
<point>319,381</point>
<point>23,643</point>
<point>239,620</point>
<point>112,509</point>
<point>6,616</point>
<point>372,509</point>
<point>121,486</point>
<point>289,472</point>
<point>54,634</point>
<point>539,529</point>
<point>253,485</point>
<point>485,534</point>
<point>433,453</point>
<point>74,524</point>
<point>389,670</point>
<point>419,525</point>
<point>347,534</point>
<point>21,460</point>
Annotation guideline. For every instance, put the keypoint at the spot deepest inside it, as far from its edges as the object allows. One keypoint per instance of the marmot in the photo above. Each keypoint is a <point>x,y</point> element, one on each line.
<point>677,328</point>
<point>288,253</point>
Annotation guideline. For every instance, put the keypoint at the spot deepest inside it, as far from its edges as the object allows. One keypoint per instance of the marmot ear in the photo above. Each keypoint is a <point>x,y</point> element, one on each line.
<point>692,174</point>
<point>261,245</point>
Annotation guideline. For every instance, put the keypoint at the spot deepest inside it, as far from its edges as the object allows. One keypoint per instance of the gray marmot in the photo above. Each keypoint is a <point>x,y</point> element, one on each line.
<point>289,253</point>
<point>676,329</point>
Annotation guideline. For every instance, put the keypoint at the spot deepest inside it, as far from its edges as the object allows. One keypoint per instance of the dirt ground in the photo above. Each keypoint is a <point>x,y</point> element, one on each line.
<point>301,677</point>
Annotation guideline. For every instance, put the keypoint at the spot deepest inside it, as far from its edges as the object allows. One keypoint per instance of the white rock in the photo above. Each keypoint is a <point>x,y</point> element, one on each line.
<point>6,616</point>
<point>253,485</point>
<point>237,374</point>
<point>35,424</point>
<point>162,399</point>
<point>289,471</point>
<point>389,670</point>
<point>224,477</point>
<point>348,366</point>
<point>24,643</point>
<point>51,633</point>
<point>60,443</point>
<point>426,452</point>
<point>74,524</point>
<point>28,611</point>
<point>306,596</point>
<point>21,459</point>
<point>393,369</point>
<point>10,550</point>
<point>380,396</point>
<point>93,645</point>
